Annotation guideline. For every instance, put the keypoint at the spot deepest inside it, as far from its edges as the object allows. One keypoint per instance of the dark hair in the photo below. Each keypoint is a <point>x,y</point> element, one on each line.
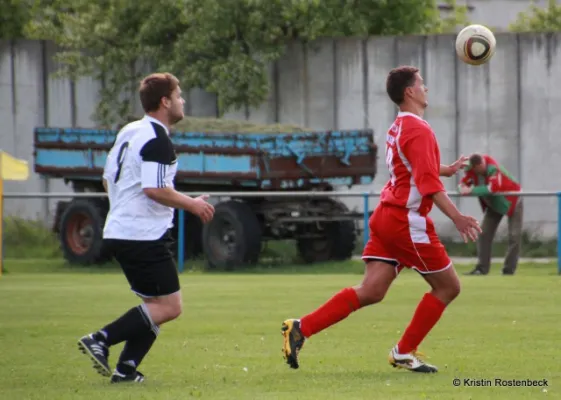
<point>154,87</point>
<point>398,80</point>
<point>475,160</point>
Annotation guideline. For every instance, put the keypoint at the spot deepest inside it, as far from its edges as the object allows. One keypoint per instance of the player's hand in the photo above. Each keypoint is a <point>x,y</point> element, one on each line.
<point>459,164</point>
<point>202,209</point>
<point>464,190</point>
<point>468,227</point>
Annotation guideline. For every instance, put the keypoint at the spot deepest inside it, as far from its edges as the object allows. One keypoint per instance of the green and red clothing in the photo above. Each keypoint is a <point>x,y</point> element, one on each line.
<point>496,179</point>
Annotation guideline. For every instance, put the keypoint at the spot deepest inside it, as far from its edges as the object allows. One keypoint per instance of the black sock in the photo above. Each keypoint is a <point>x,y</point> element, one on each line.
<point>132,323</point>
<point>135,350</point>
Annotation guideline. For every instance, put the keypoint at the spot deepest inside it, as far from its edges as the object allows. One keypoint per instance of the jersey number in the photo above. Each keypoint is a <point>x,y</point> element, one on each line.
<point>120,159</point>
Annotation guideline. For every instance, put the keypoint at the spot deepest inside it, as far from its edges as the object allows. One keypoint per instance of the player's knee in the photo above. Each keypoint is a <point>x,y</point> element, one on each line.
<point>455,290</point>
<point>170,312</point>
<point>166,308</point>
<point>376,282</point>
<point>450,292</point>
<point>175,309</point>
<point>369,294</point>
<point>375,297</point>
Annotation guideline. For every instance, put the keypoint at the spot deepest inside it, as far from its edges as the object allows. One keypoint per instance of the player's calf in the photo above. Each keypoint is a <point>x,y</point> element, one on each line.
<point>377,279</point>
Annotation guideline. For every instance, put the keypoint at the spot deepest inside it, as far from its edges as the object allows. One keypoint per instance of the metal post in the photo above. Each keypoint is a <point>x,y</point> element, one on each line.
<point>181,240</point>
<point>365,231</point>
<point>559,233</point>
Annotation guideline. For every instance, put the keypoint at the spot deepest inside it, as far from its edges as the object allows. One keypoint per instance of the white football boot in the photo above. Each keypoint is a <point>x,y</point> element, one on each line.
<point>410,361</point>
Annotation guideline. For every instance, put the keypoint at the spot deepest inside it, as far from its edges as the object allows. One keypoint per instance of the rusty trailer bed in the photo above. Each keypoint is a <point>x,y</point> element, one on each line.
<point>247,160</point>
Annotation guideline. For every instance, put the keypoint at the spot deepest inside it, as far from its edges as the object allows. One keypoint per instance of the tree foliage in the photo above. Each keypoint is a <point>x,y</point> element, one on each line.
<point>223,47</point>
<point>539,19</point>
<point>14,15</point>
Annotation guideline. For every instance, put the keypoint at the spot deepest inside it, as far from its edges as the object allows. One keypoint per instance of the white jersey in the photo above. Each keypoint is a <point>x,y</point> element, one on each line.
<point>141,157</point>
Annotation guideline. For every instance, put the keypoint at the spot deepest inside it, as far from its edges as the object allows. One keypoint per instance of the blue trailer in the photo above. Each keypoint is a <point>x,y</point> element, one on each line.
<point>322,227</point>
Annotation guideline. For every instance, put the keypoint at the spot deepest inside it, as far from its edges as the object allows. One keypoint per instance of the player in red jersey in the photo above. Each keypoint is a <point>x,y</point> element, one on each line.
<point>401,233</point>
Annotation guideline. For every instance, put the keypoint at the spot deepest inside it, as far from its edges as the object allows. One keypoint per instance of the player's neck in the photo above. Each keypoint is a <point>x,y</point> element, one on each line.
<point>160,117</point>
<point>413,109</point>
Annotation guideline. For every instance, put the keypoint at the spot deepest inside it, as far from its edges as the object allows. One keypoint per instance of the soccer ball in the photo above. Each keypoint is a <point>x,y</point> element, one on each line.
<point>475,44</point>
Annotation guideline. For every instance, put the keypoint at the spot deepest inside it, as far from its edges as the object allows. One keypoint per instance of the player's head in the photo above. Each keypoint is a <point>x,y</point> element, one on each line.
<point>405,85</point>
<point>477,164</point>
<point>160,93</point>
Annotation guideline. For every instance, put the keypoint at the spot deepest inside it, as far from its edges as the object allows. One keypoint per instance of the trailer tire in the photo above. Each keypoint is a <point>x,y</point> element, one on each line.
<point>314,250</point>
<point>233,237</point>
<point>338,244</point>
<point>344,236</point>
<point>81,232</point>
<point>345,239</point>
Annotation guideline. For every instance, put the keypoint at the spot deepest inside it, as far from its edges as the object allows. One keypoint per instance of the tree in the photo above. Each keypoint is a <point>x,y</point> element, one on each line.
<point>223,47</point>
<point>538,19</point>
<point>13,18</point>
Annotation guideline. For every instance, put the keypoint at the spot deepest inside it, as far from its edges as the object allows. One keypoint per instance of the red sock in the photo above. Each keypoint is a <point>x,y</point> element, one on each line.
<point>426,315</point>
<point>336,309</point>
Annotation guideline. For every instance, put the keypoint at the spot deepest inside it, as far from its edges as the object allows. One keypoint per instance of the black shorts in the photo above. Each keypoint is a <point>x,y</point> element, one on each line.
<point>148,264</point>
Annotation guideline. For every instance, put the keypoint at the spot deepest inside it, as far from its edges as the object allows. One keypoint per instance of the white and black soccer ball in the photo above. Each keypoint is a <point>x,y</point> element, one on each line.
<point>475,44</point>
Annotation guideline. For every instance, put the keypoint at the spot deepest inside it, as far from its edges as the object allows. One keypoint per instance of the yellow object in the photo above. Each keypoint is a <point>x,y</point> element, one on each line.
<point>11,169</point>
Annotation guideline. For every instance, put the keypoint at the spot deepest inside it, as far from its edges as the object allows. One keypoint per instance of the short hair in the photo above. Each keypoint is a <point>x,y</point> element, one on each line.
<point>154,87</point>
<point>475,160</point>
<point>398,80</point>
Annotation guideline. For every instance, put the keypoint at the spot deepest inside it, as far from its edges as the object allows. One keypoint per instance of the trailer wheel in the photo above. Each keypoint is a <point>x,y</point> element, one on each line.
<point>314,250</point>
<point>344,236</point>
<point>81,232</point>
<point>233,237</point>
<point>337,244</point>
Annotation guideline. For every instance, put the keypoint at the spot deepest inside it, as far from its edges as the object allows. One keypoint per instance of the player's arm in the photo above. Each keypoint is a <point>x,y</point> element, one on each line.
<point>107,173</point>
<point>420,151</point>
<point>155,161</point>
<point>452,169</point>
<point>446,171</point>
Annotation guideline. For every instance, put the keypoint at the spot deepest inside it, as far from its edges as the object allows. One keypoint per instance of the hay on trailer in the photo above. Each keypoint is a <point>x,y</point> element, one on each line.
<point>218,125</point>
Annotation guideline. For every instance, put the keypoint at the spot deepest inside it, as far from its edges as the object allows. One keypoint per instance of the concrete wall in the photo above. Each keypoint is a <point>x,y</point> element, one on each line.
<point>30,96</point>
<point>508,108</point>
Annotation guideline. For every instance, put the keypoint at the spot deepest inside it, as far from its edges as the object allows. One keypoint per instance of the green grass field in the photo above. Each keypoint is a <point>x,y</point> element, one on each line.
<point>227,343</point>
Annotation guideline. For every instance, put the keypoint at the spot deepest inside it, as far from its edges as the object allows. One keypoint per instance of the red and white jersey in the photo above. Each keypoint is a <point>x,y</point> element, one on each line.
<point>413,160</point>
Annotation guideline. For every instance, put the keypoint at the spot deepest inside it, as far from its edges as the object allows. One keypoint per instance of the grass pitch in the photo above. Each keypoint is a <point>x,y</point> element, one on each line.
<point>227,343</point>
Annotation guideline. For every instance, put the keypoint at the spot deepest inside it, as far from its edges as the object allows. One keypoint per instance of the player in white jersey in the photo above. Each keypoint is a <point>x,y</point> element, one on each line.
<point>139,179</point>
